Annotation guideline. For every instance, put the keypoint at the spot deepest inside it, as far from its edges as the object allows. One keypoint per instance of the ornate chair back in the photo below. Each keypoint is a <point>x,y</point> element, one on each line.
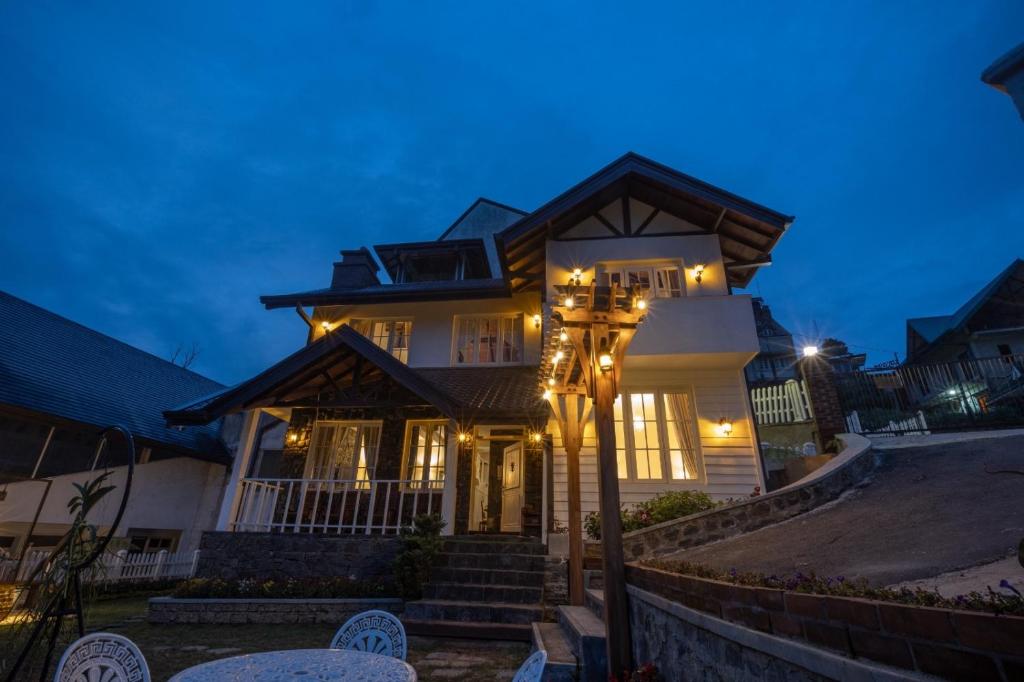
<point>532,668</point>
<point>378,632</point>
<point>102,656</point>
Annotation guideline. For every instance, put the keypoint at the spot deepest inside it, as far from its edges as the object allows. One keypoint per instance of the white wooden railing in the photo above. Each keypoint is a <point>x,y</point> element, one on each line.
<point>113,567</point>
<point>298,505</point>
<point>781,403</point>
<point>914,425</point>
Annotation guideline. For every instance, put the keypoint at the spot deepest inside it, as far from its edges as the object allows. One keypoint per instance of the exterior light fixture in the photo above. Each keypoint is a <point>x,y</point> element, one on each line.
<point>563,336</point>
<point>536,437</point>
<point>547,395</point>
<point>724,426</point>
<point>293,437</point>
<point>698,272</point>
<point>463,436</point>
<point>577,273</point>
<point>559,355</point>
<point>641,304</point>
<point>810,351</point>
<point>569,301</point>
<point>326,326</point>
<point>604,357</point>
<point>536,321</point>
<point>551,381</point>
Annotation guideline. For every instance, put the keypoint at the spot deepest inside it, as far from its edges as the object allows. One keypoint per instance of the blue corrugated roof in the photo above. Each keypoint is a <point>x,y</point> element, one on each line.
<point>51,365</point>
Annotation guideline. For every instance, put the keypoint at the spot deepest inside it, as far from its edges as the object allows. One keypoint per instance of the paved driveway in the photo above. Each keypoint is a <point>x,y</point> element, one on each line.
<point>926,510</point>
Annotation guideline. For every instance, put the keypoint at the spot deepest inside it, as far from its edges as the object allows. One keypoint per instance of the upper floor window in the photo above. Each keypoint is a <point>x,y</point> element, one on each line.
<point>423,460</point>
<point>488,340</point>
<point>343,451</point>
<point>656,436</point>
<point>663,281</point>
<point>391,335</point>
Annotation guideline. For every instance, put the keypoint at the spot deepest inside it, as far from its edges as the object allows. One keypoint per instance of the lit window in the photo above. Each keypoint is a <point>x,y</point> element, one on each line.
<point>425,443</point>
<point>488,340</point>
<point>390,335</point>
<point>662,281</point>
<point>343,451</point>
<point>655,436</point>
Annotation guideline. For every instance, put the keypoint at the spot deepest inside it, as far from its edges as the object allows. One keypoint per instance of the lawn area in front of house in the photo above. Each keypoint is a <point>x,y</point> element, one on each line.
<point>171,648</point>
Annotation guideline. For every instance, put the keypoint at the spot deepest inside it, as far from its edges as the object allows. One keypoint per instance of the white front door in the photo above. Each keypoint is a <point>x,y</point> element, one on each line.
<point>512,489</point>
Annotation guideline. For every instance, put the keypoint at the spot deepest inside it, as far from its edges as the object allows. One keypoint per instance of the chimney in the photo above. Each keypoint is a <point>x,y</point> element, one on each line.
<point>356,270</point>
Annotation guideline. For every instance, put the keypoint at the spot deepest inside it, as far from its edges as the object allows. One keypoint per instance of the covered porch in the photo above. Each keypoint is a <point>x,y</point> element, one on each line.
<point>342,438</point>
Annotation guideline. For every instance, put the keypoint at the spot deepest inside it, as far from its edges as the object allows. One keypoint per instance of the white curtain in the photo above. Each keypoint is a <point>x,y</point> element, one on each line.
<point>682,421</point>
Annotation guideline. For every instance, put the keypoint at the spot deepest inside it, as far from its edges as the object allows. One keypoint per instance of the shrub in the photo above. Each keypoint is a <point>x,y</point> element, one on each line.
<point>992,601</point>
<point>285,588</point>
<point>420,546</point>
<point>663,507</point>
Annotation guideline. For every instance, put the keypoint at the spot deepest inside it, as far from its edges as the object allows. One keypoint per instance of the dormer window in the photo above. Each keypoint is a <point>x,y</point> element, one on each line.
<point>663,280</point>
<point>390,335</point>
<point>442,261</point>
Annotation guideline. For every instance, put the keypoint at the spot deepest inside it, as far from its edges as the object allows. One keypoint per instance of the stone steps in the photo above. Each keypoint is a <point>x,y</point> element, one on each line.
<point>494,547</point>
<point>509,594</point>
<point>491,560</point>
<point>485,576</point>
<point>585,635</point>
<point>505,632</point>
<point>473,612</point>
<point>561,663</point>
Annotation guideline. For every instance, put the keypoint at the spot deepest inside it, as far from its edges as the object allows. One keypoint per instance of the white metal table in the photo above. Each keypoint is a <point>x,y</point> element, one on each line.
<point>302,664</point>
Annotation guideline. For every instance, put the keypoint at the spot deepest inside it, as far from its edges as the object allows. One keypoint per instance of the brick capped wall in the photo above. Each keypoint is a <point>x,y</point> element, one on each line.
<point>965,645</point>
<point>829,419</point>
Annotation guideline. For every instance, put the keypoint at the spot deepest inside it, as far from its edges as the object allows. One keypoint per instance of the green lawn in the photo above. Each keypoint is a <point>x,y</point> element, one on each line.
<point>171,648</point>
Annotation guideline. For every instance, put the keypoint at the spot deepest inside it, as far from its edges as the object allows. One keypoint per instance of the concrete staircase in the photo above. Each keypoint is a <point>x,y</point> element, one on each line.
<point>484,587</point>
<point>576,643</point>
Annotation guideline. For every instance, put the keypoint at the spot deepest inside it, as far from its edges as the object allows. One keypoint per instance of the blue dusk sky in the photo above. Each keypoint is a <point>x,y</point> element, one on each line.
<point>164,164</point>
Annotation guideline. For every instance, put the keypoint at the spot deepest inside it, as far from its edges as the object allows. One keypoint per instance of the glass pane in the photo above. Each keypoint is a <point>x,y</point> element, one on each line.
<point>668,283</point>
<point>681,438</point>
<point>647,448</point>
<point>508,340</point>
<point>620,439</point>
<point>639,277</point>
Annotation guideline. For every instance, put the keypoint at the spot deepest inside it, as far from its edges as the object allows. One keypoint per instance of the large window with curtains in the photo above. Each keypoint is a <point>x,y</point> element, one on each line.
<point>343,451</point>
<point>488,340</point>
<point>656,436</point>
<point>423,461</point>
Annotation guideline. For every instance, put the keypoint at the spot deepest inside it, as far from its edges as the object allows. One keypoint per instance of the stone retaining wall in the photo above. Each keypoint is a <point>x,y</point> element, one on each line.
<point>951,644</point>
<point>847,469</point>
<point>224,611</point>
<point>295,555</point>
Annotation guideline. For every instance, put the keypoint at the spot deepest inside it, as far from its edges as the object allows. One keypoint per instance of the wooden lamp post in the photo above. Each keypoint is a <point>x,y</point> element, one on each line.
<point>596,327</point>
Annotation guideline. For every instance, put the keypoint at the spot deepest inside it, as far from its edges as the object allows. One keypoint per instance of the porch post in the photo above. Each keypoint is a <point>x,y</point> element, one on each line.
<point>239,465</point>
<point>451,472</point>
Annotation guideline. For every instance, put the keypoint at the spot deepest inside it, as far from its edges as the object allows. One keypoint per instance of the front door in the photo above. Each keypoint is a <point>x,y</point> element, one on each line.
<point>512,489</point>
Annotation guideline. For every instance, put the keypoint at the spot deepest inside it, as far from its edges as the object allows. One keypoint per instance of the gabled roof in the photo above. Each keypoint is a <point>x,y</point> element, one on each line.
<point>1002,69</point>
<point>331,362</point>
<point>748,231</point>
<point>483,217</point>
<point>489,392</point>
<point>931,329</point>
<point>50,365</point>
<point>391,255</point>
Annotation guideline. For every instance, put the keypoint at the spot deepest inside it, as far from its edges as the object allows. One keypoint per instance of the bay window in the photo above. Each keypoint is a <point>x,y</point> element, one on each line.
<point>389,335</point>
<point>656,436</point>
<point>343,450</point>
<point>488,340</point>
<point>423,458</point>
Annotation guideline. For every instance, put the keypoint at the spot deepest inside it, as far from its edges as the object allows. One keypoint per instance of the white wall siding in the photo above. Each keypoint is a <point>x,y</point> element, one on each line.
<point>730,463</point>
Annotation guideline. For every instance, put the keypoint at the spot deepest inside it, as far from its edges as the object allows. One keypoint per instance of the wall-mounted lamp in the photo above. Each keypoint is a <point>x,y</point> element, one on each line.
<point>463,437</point>
<point>551,381</point>
<point>536,321</point>
<point>724,427</point>
<point>325,325</point>
<point>577,277</point>
<point>641,304</point>
<point>559,355</point>
<point>536,437</point>
<point>604,357</point>
<point>546,395</point>
<point>293,437</point>
<point>569,301</point>
<point>698,272</point>
<point>810,351</point>
<point>563,336</point>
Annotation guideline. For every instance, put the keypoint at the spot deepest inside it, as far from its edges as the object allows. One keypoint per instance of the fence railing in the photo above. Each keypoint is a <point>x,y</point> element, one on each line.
<point>784,403</point>
<point>113,567</point>
<point>964,394</point>
<point>370,507</point>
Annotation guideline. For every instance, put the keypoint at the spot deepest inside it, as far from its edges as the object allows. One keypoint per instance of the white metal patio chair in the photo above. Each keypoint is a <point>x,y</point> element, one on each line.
<point>532,668</point>
<point>102,656</point>
<point>378,632</point>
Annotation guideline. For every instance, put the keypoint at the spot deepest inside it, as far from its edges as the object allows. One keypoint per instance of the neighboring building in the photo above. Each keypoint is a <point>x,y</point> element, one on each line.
<point>1007,75</point>
<point>776,362</point>
<point>839,356</point>
<point>989,325</point>
<point>61,384</point>
<point>423,394</point>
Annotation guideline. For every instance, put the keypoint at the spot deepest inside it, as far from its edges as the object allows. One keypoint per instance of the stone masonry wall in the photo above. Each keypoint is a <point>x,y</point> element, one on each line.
<point>299,555</point>
<point>268,611</point>
<point>754,513</point>
<point>962,645</point>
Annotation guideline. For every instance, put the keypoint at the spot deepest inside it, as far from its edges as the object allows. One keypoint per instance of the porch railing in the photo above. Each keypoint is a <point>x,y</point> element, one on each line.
<point>297,505</point>
<point>112,567</point>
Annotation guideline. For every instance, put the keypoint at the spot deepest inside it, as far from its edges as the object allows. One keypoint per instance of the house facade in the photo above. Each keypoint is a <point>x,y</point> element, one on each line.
<point>776,361</point>
<point>420,388</point>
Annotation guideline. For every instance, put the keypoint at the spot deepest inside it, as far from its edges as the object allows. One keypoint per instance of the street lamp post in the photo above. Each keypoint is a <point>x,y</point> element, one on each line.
<point>598,324</point>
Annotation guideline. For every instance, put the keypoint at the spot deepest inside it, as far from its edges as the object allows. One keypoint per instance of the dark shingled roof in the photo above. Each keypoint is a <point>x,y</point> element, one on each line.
<point>490,391</point>
<point>53,366</point>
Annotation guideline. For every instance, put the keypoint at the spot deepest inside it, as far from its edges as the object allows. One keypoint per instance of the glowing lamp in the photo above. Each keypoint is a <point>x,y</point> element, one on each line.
<point>551,381</point>
<point>547,395</point>
<point>559,355</point>
<point>577,273</point>
<point>326,326</point>
<point>641,304</point>
<point>810,351</point>
<point>536,437</point>
<point>463,436</point>
<point>293,437</point>
<point>604,360</point>
<point>563,336</point>
<point>569,302</point>
<point>698,272</point>
<point>536,321</point>
<point>724,426</point>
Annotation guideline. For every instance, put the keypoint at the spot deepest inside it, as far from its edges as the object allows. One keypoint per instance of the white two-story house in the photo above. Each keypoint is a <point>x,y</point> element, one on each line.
<point>420,389</point>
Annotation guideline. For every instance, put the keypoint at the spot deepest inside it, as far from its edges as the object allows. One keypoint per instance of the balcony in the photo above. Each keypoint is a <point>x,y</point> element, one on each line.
<point>343,507</point>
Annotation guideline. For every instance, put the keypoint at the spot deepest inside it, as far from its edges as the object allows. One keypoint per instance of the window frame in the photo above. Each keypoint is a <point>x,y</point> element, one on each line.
<point>652,270</point>
<point>519,325</point>
<point>405,475</point>
<point>353,474</point>
<point>355,323</point>
<point>629,446</point>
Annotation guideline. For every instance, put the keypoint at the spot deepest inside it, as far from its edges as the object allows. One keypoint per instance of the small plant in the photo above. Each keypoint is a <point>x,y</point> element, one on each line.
<point>660,508</point>
<point>648,672</point>
<point>420,546</point>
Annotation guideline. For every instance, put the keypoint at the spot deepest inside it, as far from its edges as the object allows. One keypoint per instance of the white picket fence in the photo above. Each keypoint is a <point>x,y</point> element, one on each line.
<point>781,403</point>
<point>914,425</point>
<point>114,567</point>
